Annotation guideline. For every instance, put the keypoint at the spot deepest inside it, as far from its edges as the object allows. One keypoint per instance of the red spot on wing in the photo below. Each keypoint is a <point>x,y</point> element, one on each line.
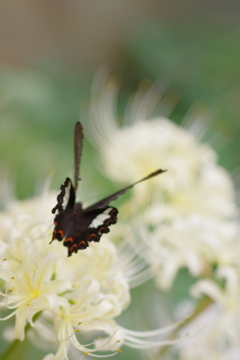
<point>83,244</point>
<point>74,248</point>
<point>68,240</point>
<point>103,229</point>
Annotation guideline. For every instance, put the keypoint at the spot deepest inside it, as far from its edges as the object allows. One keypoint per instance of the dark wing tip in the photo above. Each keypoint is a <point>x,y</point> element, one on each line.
<point>78,125</point>
<point>159,171</point>
<point>78,140</point>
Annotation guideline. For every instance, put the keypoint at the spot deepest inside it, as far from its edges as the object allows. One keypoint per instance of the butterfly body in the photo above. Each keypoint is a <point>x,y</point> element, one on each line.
<point>77,226</point>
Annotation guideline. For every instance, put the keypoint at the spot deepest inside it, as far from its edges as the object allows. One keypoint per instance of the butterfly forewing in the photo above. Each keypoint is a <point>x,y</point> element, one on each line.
<point>78,139</point>
<point>104,202</point>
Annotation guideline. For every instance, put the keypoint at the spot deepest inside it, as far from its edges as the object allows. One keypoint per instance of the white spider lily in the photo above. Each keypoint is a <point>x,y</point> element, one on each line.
<point>226,298</point>
<point>29,289</point>
<point>184,217</point>
<point>194,182</point>
<point>82,293</point>
<point>195,242</point>
<point>217,327</point>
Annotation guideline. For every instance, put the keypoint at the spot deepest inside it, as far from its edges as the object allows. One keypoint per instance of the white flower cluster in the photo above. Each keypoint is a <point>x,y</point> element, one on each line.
<point>186,212</point>
<point>62,296</point>
<point>185,218</point>
<point>88,288</point>
<point>218,326</point>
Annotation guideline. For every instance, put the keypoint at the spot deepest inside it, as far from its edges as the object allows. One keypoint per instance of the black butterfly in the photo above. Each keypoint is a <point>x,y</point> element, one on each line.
<point>78,226</point>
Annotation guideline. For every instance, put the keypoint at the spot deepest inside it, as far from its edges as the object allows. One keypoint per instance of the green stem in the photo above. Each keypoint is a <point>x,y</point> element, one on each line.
<point>203,304</point>
<point>17,349</point>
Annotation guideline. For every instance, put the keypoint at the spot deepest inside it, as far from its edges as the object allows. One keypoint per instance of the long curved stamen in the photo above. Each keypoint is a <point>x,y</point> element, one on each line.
<point>129,259</point>
<point>101,347</point>
<point>91,351</point>
<point>152,333</point>
<point>3,260</point>
<point>139,339</point>
<point>138,344</point>
<point>15,302</point>
<point>134,267</point>
<point>14,313</point>
<point>74,332</point>
<point>100,356</point>
<point>7,287</point>
<point>10,315</point>
<point>140,278</point>
<point>8,293</point>
<point>43,233</point>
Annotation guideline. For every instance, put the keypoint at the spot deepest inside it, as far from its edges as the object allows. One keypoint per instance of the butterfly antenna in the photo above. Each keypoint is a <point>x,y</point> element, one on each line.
<point>78,140</point>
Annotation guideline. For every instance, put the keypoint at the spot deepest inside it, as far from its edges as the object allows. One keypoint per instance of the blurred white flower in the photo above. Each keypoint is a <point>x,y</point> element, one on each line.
<point>185,216</point>
<point>62,296</point>
<point>217,327</point>
<point>226,297</point>
<point>193,241</point>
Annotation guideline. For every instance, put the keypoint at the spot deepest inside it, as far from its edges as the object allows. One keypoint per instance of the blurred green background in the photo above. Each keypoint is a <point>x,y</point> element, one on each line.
<point>51,50</point>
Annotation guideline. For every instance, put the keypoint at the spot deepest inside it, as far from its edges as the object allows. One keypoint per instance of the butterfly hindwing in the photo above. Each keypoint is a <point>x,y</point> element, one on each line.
<point>76,242</point>
<point>101,223</point>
